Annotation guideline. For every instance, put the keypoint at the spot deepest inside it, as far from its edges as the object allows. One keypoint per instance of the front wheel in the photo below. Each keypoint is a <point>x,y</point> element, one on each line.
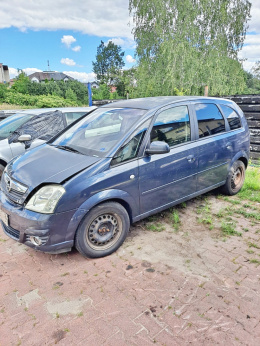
<point>235,179</point>
<point>103,230</point>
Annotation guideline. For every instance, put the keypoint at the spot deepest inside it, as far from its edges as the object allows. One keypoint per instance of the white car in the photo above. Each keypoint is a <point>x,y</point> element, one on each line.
<point>33,127</point>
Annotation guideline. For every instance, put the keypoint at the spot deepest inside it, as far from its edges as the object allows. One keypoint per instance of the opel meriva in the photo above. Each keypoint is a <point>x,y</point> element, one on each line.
<point>122,163</point>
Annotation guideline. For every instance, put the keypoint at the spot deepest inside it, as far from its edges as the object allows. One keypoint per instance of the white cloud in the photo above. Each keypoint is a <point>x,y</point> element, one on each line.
<point>122,42</point>
<point>67,61</point>
<point>68,40</point>
<point>108,18</point>
<point>76,49</point>
<point>130,59</point>
<point>254,23</point>
<point>13,72</point>
<point>81,76</point>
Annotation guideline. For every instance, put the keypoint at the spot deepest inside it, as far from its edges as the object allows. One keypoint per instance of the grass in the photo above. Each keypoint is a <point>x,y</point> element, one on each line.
<point>175,219</point>
<point>155,227</point>
<point>251,188</point>
<point>228,228</point>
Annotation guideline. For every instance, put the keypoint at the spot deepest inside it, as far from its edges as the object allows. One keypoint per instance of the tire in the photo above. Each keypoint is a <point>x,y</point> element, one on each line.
<point>1,170</point>
<point>103,230</point>
<point>235,179</point>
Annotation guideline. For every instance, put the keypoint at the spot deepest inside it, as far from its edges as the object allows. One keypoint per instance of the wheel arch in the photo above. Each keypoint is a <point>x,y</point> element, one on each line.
<point>113,195</point>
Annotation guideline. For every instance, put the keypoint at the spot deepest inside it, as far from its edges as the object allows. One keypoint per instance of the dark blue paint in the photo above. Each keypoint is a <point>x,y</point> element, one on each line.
<point>158,181</point>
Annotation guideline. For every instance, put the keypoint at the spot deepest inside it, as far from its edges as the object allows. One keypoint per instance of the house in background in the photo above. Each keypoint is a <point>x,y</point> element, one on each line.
<point>4,74</point>
<point>41,77</point>
<point>94,85</point>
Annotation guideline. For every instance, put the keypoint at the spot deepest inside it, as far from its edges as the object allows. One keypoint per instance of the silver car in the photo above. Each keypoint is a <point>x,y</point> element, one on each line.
<point>32,127</point>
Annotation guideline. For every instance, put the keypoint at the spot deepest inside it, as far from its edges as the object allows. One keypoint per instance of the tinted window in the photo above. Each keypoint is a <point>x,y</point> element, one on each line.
<point>172,126</point>
<point>130,149</point>
<point>232,117</point>
<point>210,120</point>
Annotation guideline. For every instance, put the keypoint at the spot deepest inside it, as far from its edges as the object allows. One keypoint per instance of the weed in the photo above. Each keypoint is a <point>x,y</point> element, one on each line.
<point>65,274</point>
<point>80,314</point>
<point>250,251</point>
<point>66,330</point>
<point>155,227</point>
<point>175,219</point>
<point>255,260</point>
<point>57,315</point>
<point>229,229</point>
<point>248,215</point>
<point>253,245</point>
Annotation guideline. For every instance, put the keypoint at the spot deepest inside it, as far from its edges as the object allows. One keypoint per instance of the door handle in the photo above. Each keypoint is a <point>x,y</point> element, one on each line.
<point>191,158</point>
<point>228,146</point>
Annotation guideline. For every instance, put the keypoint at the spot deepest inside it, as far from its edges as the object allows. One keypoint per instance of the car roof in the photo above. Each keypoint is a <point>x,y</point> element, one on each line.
<point>39,111</point>
<point>158,101</point>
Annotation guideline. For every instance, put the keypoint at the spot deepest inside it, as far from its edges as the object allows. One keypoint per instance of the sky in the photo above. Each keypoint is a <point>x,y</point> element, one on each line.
<point>67,33</point>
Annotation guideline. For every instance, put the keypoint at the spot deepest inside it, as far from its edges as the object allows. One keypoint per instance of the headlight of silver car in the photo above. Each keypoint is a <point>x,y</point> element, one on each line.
<point>45,200</point>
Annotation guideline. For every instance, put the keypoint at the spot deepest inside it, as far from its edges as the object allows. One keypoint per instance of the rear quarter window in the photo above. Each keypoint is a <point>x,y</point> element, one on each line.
<point>232,117</point>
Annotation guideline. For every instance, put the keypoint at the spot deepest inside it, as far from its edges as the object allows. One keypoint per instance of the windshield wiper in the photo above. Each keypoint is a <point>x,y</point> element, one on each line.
<point>67,148</point>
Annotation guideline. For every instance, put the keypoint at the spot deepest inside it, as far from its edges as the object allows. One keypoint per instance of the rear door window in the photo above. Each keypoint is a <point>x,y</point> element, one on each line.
<point>232,117</point>
<point>210,120</point>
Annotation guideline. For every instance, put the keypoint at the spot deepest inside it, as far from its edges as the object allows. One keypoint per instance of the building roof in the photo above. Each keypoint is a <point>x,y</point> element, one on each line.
<point>49,75</point>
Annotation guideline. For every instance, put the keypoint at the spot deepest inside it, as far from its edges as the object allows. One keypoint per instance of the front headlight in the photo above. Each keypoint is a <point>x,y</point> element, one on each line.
<point>45,200</point>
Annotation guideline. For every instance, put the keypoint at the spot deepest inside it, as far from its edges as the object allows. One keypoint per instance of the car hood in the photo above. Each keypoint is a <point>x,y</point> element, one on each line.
<point>48,164</point>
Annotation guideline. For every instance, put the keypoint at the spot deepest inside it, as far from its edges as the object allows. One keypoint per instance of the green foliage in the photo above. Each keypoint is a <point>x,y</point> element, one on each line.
<point>189,44</point>
<point>101,93</point>
<point>3,90</point>
<point>41,95</point>
<point>41,101</point>
<point>109,62</point>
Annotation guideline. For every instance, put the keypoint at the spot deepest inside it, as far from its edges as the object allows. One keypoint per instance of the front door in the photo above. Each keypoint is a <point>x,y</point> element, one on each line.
<point>168,178</point>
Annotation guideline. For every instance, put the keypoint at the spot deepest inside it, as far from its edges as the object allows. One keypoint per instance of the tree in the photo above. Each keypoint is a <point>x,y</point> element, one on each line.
<point>22,83</point>
<point>109,62</point>
<point>189,44</point>
<point>256,70</point>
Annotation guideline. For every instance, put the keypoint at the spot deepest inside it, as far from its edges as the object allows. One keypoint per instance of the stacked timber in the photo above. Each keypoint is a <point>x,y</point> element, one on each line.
<point>250,105</point>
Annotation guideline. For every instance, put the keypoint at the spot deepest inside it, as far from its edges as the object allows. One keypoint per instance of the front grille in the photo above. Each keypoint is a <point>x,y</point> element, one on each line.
<point>14,195</point>
<point>11,232</point>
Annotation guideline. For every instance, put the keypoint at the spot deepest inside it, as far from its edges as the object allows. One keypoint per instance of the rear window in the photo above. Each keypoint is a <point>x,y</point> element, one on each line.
<point>210,120</point>
<point>232,117</point>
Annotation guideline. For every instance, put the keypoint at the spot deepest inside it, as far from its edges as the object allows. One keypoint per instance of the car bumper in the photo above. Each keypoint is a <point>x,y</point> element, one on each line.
<point>51,230</point>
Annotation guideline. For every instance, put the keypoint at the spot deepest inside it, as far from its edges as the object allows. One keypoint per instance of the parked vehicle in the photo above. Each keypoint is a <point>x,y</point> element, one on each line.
<point>122,163</point>
<point>32,127</point>
<point>6,113</point>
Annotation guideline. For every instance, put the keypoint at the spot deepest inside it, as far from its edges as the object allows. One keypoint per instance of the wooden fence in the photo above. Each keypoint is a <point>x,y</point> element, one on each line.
<point>250,105</point>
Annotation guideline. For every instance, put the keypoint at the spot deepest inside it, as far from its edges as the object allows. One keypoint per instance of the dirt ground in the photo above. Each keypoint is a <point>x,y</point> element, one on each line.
<point>190,275</point>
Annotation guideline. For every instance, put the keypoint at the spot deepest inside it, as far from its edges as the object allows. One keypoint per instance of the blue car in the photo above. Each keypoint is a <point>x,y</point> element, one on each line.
<point>122,163</point>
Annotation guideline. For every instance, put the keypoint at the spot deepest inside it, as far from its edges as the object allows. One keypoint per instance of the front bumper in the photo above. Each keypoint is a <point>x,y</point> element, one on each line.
<point>52,229</point>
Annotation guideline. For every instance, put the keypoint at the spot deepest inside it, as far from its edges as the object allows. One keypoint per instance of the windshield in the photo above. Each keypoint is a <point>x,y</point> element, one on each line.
<point>12,123</point>
<point>97,134</point>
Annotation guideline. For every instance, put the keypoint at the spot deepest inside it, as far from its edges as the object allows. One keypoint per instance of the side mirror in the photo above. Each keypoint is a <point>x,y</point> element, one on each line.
<point>24,138</point>
<point>158,147</point>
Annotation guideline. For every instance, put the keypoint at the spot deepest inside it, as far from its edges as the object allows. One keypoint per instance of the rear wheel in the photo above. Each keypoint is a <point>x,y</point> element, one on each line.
<point>235,179</point>
<point>103,230</point>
